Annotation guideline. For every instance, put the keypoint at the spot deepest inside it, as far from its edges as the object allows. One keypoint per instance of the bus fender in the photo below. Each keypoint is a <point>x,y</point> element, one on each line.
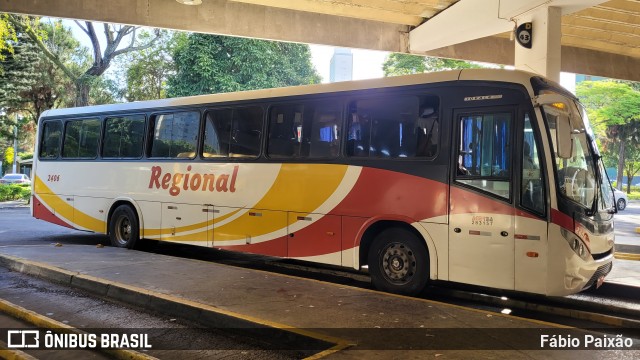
<point>136,207</point>
<point>431,247</point>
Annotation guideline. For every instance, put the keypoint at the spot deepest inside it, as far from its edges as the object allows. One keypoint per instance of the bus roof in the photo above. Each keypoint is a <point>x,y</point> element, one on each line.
<point>512,76</point>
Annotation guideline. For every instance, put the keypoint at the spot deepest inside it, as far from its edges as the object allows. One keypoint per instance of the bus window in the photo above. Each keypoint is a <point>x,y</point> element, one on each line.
<point>217,133</point>
<point>394,127</point>
<point>484,159</point>
<point>50,142</point>
<point>175,135</point>
<point>325,131</point>
<point>305,130</point>
<point>532,193</point>
<point>285,131</point>
<point>81,139</point>
<point>123,137</point>
<point>246,132</point>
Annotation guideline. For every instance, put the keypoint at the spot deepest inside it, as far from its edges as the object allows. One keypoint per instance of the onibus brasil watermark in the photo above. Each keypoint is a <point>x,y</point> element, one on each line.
<point>32,339</point>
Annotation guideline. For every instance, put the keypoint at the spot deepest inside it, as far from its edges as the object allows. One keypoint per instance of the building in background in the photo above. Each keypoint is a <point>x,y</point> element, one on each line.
<point>341,66</point>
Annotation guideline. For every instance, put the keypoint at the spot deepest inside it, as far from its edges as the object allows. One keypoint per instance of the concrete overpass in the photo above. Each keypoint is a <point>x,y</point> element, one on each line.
<point>591,37</point>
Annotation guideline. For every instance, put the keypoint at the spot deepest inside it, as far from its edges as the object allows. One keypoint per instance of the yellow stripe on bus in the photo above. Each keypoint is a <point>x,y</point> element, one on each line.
<point>298,187</point>
<point>65,210</point>
<point>200,225</point>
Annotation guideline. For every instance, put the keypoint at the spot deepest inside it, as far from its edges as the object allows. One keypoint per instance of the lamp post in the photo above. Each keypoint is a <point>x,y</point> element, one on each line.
<point>15,147</point>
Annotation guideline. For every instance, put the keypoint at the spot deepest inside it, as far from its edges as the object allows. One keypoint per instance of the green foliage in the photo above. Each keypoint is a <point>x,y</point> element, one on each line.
<point>7,36</point>
<point>148,69</point>
<point>19,74</point>
<point>404,64</point>
<point>25,155</point>
<point>213,64</point>
<point>614,112</point>
<point>14,192</point>
<point>7,159</point>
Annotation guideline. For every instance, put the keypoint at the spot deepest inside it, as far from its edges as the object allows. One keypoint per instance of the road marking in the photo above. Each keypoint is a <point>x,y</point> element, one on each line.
<point>627,256</point>
<point>42,321</point>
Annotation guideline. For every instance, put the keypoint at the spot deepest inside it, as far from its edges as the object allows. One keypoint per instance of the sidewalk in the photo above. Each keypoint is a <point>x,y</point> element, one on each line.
<point>357,323</point>
<point>13,204</point>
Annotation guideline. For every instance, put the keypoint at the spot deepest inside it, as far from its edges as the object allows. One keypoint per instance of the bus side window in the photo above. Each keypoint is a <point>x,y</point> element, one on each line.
<point>123,137</point>
<point>246,132</point>
<point>325,131</point>
<point>532,194</point>
<point>287,135</point>
<point>398,126</point>
<point>81,139</point>
<point>50,142</point>
<point>217,133</point>
<point>175,135</point>
<point>484,152</point>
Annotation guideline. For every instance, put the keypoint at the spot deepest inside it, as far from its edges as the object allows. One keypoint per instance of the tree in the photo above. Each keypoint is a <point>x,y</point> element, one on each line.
<point>7,159</point>
<point>404,64</point>
<point>147,70</point>
<point>614,110</point>
<point>631,165</point>
<point>214,64</point>
<point>7,35</point>
<point>115,36</point>
<point>33,83</point>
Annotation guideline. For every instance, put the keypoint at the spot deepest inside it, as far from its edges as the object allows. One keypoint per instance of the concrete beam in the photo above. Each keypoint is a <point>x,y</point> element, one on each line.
<point>500,50</point>
<point>226,18</point>
<point>472,19</point>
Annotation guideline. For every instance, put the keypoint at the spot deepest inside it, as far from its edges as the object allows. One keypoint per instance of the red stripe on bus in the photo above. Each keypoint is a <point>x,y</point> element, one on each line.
<point>41,212</point>
<point>562,220</point>
<point>383,193</point>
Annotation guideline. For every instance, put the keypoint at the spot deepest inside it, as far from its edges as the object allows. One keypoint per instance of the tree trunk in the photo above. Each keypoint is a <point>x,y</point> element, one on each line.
<point>82,92</point>
<point>620,164</point>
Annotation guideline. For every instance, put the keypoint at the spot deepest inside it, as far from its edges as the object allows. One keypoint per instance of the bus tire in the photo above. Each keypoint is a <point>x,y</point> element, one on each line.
<point>124,230</point>
<point>398,262</point>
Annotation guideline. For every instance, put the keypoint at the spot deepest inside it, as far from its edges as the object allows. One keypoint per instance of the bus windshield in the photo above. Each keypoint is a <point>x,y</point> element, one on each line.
<point>576,174</point>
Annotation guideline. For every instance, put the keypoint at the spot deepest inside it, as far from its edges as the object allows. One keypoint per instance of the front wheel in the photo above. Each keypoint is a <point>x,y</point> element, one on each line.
<point>123,227</point>
<point>398,262</point>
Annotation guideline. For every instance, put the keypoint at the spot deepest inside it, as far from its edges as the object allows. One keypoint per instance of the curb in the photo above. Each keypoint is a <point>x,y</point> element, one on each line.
<point>13,354</point>
<point>168,304</point>
<point>552,309</point>
<point>45,322</point>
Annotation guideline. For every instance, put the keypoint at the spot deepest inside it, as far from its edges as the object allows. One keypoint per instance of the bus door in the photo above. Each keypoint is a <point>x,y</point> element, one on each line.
<point>481,213</point>
<point>531,225</point>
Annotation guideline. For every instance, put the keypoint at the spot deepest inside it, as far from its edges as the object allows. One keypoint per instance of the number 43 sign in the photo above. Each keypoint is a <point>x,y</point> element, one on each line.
<point>524,35</point>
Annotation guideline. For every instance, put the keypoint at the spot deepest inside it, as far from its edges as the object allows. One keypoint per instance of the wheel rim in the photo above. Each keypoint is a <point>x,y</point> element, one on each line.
<point>398,263</point>
<point>621,204</point>
<point>123,230</point>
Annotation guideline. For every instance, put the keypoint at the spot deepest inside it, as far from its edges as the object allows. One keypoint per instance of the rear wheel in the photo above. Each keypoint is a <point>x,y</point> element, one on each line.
<point>398,262</point>
<point>124,230</point>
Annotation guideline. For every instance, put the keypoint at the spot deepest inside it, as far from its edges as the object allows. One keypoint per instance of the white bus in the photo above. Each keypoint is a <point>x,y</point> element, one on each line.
<point>485,177</point>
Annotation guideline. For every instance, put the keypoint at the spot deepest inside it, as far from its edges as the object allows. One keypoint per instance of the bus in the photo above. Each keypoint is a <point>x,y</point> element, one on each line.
<point>486,177</point>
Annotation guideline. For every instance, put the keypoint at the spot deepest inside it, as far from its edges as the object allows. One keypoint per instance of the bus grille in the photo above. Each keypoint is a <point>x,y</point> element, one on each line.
<point>602,271</point>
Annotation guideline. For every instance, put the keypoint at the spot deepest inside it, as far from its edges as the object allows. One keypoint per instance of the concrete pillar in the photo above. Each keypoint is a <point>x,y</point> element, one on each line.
<point>544,56</point>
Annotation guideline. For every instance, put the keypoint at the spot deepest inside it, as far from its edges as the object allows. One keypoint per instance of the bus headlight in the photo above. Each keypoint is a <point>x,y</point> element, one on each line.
<point>576,244</point>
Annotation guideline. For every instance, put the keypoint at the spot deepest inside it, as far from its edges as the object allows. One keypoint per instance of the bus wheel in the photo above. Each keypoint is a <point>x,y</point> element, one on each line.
<point>398,262</point>
<point>123,227</point>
